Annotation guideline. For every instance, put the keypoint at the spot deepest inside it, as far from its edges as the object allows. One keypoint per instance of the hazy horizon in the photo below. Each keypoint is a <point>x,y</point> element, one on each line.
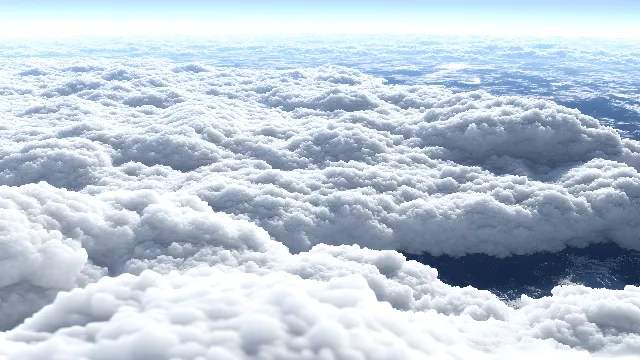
<point>37,18</point>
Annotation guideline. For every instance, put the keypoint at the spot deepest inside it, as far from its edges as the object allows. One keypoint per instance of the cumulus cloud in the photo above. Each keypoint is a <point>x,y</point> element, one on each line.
<point>192,270</point>
<point>159,210</point>
<point>307,158</point>
<point>215,312</point>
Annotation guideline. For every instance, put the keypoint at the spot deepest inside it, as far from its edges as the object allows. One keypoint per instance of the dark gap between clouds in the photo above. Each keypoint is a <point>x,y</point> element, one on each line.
<point>597,266</point>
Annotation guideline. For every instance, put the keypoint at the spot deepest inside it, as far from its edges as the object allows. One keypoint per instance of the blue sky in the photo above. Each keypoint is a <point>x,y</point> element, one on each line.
<point>353,7</point>
<point>465,16</point>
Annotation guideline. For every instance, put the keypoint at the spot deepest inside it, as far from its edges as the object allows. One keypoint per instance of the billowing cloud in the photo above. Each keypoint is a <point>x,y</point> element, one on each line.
<point>223,288</point>
<point>251,296</point>
<point>191,211</point>
<point>333,156</point>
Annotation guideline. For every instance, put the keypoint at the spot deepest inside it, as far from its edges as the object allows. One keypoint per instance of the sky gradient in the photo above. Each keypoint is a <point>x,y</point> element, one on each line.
<point>613,18</point>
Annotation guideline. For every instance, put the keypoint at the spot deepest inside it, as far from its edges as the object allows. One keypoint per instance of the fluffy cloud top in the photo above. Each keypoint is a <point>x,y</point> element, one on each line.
<point>331,155</point>
<point>201,284</point>
<point>191,212</point>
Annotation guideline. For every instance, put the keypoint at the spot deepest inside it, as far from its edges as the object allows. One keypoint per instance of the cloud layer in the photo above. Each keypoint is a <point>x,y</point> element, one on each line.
<point>332,156</point>
<point>196,212</point>
<point>221,288</point>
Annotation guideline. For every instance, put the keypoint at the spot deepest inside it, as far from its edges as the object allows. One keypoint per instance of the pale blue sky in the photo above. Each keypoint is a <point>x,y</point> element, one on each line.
<point>627,8</point>
<point>467,16</point>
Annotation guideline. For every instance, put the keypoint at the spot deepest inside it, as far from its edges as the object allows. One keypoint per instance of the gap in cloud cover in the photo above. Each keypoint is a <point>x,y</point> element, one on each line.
<point>597,266</point>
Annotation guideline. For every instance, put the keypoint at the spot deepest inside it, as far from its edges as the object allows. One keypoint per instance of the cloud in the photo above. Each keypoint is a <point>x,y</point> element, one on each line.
<point>59,239</point>
<point>212,313</point>
<point>419,169</point>
<point>236,213</point>
<point>254,297</point>
<point>66,163</point>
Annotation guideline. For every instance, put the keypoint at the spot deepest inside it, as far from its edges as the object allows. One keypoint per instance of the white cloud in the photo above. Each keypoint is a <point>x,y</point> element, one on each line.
<point>221,212</point>
<point>334,156</point>
<point>215,313</point>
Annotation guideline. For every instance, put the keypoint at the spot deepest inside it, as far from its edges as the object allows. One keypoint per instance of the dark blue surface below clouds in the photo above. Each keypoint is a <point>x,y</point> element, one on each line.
<point>597,266</point>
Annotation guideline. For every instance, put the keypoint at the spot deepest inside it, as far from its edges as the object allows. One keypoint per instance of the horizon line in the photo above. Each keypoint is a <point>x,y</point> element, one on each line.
<point>91,28</point>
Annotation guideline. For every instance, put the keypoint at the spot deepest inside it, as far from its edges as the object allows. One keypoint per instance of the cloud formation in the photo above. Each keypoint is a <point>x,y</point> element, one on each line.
<point>238,294</point>
<point>334,156</point>
<point>237,213</point>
